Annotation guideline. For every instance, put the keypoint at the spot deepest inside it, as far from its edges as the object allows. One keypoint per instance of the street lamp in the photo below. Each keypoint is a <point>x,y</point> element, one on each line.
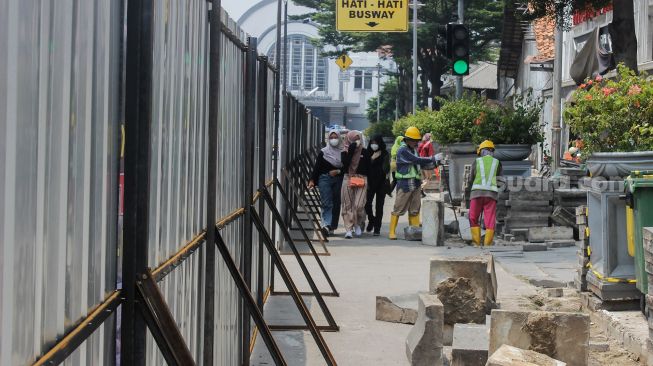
<point>378,92</point>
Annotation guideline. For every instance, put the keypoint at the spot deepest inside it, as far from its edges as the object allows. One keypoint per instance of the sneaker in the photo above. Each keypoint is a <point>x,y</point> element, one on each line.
<point>377,233</point>
<point>348,235</point>
<point>325,231</point>
<point>358,231</point>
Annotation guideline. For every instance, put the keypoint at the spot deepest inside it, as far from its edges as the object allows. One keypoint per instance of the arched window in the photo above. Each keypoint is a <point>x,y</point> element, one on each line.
<point>306,68</point>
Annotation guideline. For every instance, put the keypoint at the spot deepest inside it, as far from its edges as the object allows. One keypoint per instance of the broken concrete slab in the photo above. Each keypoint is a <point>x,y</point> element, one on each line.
<point>555,292</point>
<point>513,356</point>
<point>432,221</point>
<point>564,336</point>
<point>424,342</point>
<point>479,269</point>
<point>388,310</point>
<point>413,233</point>
<point>542,234</point>
<point>461,302</point>
<point>546,283</point>
<point>470,345</point>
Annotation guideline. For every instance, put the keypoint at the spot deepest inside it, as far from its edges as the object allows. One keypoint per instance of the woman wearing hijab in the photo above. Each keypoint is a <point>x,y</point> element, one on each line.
<point>376,182</point>
<point>355,161</point>
<point>328,173</point>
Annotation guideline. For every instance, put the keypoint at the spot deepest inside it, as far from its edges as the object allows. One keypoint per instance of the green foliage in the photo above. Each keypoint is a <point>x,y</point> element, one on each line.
<point>383,128</point>
<point>613,115</point>
<point>472,119</point>
<point>389,93</point>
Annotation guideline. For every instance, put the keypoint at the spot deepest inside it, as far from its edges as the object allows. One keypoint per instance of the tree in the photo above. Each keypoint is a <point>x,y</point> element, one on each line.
<point>622,29</point>
<point>482,16</point>
<point>388,106</point>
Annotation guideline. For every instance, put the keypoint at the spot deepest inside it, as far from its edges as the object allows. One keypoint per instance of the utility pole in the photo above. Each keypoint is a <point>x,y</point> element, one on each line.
<point>378,92</point>
<point>557,100</point>
<point>461,19</point>
<point>414,56</point>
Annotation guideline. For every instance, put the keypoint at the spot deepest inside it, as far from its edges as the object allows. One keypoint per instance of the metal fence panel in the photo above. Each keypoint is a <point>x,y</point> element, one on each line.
<point>59,127</point>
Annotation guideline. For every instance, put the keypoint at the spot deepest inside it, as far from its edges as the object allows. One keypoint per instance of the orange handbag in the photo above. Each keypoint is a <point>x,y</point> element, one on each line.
<point>356,182</point>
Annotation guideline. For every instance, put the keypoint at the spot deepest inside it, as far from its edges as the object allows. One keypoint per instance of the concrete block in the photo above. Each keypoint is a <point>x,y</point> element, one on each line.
<point>527,204</point>
<point>546,283</point>
<point>551,292</point>
<point>433,222</point>
<point>534,247</point>
<point>461,303</point>
<point>479,269</point>
<point>470,345</point>
<point>513,356</point>
<point>424,342</point>
<point>387,310</point>
<point>599,346</point>
<point>541,234</point>
<point>520,234</point>
<point>412,233</point>
<point>560,243</point>
<point>564,336</point>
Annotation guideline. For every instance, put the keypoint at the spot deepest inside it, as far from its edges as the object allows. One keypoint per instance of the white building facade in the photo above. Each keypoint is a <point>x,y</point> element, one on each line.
<point>314,79</point>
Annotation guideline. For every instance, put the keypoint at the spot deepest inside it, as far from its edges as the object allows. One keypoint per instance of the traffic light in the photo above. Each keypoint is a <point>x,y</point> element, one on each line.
<point>458,48</point>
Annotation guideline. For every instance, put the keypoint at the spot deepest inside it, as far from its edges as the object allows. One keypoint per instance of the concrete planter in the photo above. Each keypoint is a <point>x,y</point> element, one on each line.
<point>619,164</point>
<point>512,152</point>
<point>462,148</point>
<point>460,154</point>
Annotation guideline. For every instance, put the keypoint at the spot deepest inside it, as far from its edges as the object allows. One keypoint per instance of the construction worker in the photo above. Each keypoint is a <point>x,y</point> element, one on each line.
<point>408,177</point>
<point>484,193</point>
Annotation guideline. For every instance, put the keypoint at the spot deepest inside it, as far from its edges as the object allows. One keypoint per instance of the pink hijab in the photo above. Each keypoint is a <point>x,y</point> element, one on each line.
<point>359,149</point>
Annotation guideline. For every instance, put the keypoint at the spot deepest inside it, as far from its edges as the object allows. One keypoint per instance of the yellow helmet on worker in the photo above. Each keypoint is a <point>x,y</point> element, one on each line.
<point>413,133</point>
<point>487,144</point>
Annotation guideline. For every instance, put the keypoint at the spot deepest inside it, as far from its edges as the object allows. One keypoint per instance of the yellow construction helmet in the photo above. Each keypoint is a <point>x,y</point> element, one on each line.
<point>487,144</point>
<point>413,133</point>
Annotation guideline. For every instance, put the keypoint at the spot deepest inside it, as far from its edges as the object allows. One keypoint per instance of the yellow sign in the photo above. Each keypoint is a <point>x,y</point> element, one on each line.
<point>344,62</point>
<point>372,15</point>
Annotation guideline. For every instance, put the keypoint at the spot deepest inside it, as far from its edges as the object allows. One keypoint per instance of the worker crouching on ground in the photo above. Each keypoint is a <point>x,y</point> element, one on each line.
<point>484,193</point>
<point>409,176</point>
<point>356,162</point>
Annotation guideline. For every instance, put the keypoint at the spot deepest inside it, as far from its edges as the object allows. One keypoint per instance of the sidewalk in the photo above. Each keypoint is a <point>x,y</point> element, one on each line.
<point>362,268</point>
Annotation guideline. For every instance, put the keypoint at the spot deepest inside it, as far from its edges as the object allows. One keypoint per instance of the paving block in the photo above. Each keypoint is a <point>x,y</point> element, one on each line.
<point>424,342</point>
<point>599,346</point>
<point>534,247</point>
<point>479,269</point>
<point>546,282</point>
<point>541,234</point>
<point>520,234</point>
<point>388,310</point>
<point>470,345</point>
<point>433,222</point>
<point>552,292</point>
<point>564,336</point>
<point>513,356</point>
<point>560,243</point>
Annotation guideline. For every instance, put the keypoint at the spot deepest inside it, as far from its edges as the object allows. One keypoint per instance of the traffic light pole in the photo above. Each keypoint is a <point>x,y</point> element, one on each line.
<point>414,56</point>
<point>461,19</point>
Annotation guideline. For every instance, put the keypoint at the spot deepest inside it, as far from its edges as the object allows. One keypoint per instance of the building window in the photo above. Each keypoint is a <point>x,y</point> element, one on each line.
<point>306,68</point>
<point>363,79</point>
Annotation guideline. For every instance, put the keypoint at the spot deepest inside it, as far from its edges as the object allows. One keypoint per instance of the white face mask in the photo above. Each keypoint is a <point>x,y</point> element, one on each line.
<point>374,147</point>
<point>334,142</point>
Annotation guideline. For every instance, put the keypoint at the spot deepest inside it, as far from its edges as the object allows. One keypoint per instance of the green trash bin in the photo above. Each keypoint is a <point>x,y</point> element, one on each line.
<point>639,214</point>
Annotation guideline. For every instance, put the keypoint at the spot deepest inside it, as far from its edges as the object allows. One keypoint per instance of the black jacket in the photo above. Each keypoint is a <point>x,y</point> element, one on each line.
<point>379,170</point>
<point>363,164</point>
<point>322,167</point>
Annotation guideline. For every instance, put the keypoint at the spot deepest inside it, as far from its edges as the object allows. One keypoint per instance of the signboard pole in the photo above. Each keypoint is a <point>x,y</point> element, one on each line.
<point>414,56</point>
<point>459,79</point>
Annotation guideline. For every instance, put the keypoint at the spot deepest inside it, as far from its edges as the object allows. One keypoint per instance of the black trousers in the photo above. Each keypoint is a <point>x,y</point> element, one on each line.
<point>376,217</point>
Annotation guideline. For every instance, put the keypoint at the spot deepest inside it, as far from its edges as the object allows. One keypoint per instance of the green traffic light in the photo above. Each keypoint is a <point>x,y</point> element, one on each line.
<point>460,67</point>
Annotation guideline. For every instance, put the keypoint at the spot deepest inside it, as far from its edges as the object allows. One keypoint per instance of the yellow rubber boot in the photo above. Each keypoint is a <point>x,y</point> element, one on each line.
<point>394,220</point>
<point>476,235</point>
<point>489,237</point>
<point>413,220</point>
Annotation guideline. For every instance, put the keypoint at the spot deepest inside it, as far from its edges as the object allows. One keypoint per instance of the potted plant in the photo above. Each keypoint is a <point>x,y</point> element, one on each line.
<point>456,123</point>
<point>614,118</point>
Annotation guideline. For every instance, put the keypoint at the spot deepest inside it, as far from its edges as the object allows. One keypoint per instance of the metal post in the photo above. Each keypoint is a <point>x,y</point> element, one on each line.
<point>285,45</point>
<point>138,113</point>
<point>248,188</point>
<point>557,101</point>
<point>414,56</point>
<point>262,153</point>
<point>215,38</point>
<point>277,93</point>
<point>461,20</point>
<point>378,93</point>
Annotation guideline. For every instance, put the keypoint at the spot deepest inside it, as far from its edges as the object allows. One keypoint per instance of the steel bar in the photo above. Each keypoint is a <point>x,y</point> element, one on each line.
<point>178,258</point>
<point>266,194</point>
<point>299,301</point>
<point>300,261</point>
<point>161,323</point>
<point>246,295</point>
<point>307,211</point>
<point>138,113</point>
<point>69,343</point>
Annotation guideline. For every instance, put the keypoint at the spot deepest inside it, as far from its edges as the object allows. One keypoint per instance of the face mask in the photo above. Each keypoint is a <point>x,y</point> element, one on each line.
<point>374,147</point>
<point>334,142</point>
